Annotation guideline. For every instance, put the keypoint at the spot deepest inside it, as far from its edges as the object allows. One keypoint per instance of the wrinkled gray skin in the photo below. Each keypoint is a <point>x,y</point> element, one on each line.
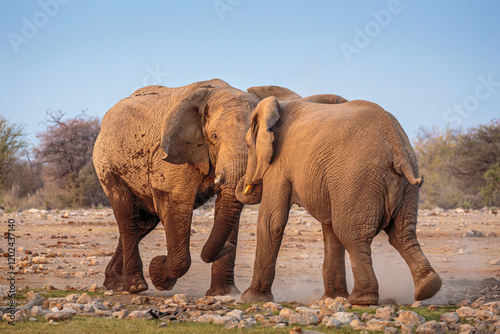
<point>352,167</point>
<point>163,152</point>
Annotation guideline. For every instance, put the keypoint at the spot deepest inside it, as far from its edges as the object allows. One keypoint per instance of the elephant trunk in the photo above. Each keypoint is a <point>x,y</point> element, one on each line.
<point>227,214</point>
<point>227,206</point>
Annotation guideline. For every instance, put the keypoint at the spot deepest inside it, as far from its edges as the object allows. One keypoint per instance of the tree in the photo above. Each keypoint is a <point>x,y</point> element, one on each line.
<point>65,150</point>
<point>435,151</point>
<point>477,151</point>
<point>491,191</point>
<point>67,146</point>
<point>12,142</point>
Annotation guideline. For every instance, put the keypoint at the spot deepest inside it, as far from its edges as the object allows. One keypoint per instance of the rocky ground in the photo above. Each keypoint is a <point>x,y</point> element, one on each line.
<point>70,249</point>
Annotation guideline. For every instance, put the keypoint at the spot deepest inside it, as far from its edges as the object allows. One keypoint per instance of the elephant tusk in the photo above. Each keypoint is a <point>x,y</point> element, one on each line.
<point>248,189</point>
<point>219,179</point>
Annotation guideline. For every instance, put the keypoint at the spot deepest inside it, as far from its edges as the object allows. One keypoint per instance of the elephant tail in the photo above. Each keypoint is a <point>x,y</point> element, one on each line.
<point>405,162</point>
<point>407,170</point>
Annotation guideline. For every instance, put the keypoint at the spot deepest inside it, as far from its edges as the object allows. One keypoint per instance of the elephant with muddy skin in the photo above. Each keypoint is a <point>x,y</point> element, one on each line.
<point>352,167</point>
<point>163,152</point>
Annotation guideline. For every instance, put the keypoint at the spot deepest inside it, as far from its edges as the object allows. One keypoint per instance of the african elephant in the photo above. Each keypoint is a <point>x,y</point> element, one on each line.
<point>351,166</point>
<point>163,152</point>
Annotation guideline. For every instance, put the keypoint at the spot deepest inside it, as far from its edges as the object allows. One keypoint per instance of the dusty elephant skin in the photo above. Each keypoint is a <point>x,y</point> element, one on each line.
<point>163,152</point>
<point>352,167</point>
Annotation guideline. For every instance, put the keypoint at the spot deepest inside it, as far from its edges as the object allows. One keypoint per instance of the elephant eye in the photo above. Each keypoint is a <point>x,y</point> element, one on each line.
<point>214,136</point>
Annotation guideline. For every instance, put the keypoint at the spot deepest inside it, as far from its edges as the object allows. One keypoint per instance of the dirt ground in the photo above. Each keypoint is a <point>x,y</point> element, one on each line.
<point>77,246</point>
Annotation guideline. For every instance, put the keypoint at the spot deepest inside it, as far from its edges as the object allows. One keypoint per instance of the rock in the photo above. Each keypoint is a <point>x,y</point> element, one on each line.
<point>140,300</point>
<point>273,306</point>
<point>495,262</point>
<point>97,305</point>
<point>37,311</point>
<point>55,309</point>
<point>432,327</point>
<point>334,305</point>
<point>72,298</point>
<point>404,328</point>
<point>180,298</point>
<point>237,314</point>
<point>391,330</point>
<point>277,319</point>
<point>467,329</point>
<point>80,274</point>
<point>103,313</point>
<point>385,313</point>
<point>247,323</point>
<point>50,288</point>
<point>68,310</point>
<point>22,315</point>
<point>466,312</point>
<point>285,312</point>
<point>411,318</point>
<point>301,309</point>
<point>433,308</point>
<point>487,327</point>
<point>378,325</point>
<point>109,293</point>
<point>225,299</point>
<point>84,299</point>
<point>88,308</point>
<point>485,315</point>
<point>34,299</point>
<point>493,307</point>
<point>228,322</point>
<point>118,307</point>
<point>450,318</point>
<point>139,315</point>
<point>120,314</point>
<point>305,318</point>
<point>58,316</point>
<point>206,318</point>
<point>417,304</point>
<point>75,306</point>
<point>436,211</point>
<point>463,251</point>
<point>473,234</point>
<point>344,302</point>
<point>93,288</point>
<point>345,318</point>
<point>39,260</point>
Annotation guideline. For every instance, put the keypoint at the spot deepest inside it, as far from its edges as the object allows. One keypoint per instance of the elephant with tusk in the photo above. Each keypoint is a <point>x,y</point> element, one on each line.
<point>352,167</point>
<point>163,152</point>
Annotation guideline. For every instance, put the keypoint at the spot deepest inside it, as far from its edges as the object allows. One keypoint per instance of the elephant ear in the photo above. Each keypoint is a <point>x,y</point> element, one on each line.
<point>281,93</point>
<point>182,136</point>
<point>262,119</point>
<point>325,98</point>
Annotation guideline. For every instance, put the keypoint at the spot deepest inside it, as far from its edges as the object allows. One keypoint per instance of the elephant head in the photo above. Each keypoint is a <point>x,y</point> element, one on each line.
<point>260,140</point>
<point>260,145</point>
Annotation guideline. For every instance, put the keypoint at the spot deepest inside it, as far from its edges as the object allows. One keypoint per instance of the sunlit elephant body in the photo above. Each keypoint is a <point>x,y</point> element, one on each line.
<point>352,167</point>
<point>163,152</point>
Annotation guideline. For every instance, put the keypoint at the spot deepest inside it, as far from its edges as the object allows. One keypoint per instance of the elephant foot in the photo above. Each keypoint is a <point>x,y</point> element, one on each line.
<point>336,293</point>
<point>223,290</point>
<point>428,286</point>
<point>363,299</point>
<point>156,273</point>
<point>135,283</point>
<point>253,296</point>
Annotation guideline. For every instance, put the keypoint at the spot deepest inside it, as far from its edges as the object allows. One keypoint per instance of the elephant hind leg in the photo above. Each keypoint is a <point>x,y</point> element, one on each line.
<point>402,236</point>
<point>357,244</point>
<point>334,275</point>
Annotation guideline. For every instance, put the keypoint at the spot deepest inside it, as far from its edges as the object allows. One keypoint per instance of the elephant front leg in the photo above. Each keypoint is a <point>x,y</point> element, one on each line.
<point>222,282</point>
<point>334,275</point>
<point>273,216</point>
<point>165,270</point>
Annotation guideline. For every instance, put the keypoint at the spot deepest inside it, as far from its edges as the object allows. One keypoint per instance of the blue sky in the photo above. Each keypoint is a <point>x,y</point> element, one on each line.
<point>426,62</point>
